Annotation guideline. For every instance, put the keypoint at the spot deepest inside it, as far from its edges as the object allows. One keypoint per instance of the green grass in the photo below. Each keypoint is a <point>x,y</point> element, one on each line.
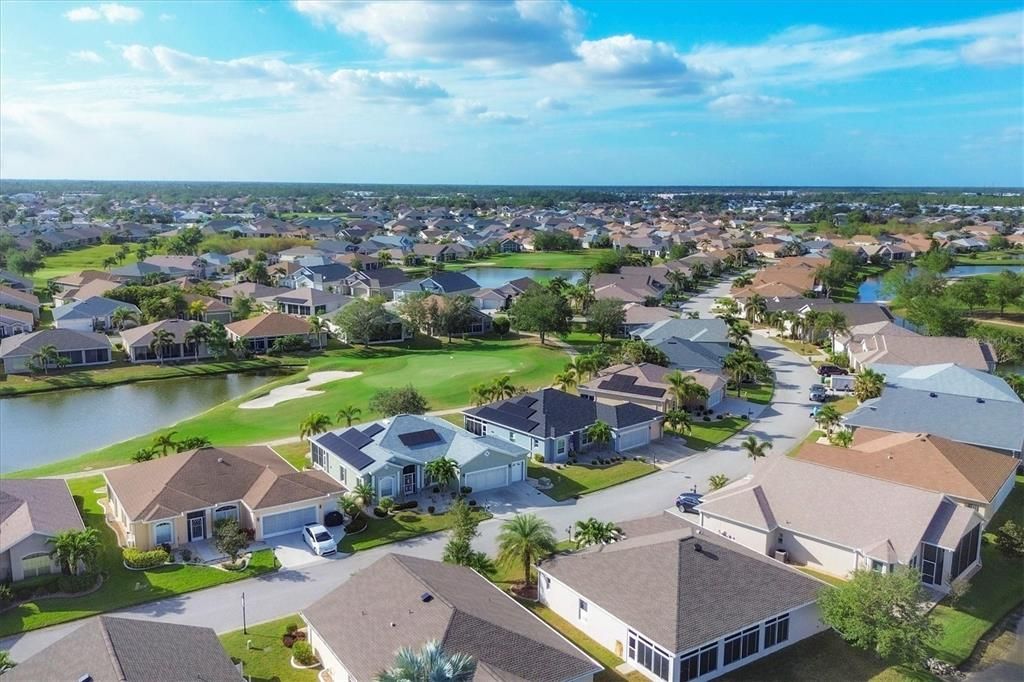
<point>546,260</point>
<point>578,479</point>
<point>401,526</point>
<point>799,347</point>
<point>812,437</point>
<point>89,258</point>
<point>705,435</point>
<point>584,342</point>
<point>296,454</point>
<point>268,660</point>
<point>443,373</point>
<point>845,404</point>
<point>127,373</point>
<point>121,588</point>
<point>824,577</point>
<point>761,394</point>
<point>1004,257</point>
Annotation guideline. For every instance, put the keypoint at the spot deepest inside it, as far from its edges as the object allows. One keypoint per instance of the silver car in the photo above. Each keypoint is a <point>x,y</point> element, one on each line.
<point>319,540</point>
<point>818,393</point>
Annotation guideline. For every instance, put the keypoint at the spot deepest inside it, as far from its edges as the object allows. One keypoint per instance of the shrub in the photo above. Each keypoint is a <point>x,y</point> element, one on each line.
<point>472,503</point>
<point>186,555</point>
<point>405,506</point>
<point>288,640</point>
<point>32,587</point>
<point>303,654</point>
<point>6,594</point>
<point>538,458</point>
<point>291,628</point>
<point>387,505</point>
<point>430,509</point>
<point>707,419</point>
<point>76,583</point>
<point>135,558</point>
<point>379,513</point>
<point>1010,539</point>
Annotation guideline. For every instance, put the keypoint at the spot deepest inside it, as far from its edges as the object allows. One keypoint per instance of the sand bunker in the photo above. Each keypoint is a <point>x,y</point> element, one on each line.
<point>299,390</point>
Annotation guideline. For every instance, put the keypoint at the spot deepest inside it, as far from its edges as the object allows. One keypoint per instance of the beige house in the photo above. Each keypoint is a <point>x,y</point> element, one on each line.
<point>137,342</point>
<point>16,298</point>
<point>31,512</point>
<point>260,333</point>
<point>178,499</point>
<point>646,384</point>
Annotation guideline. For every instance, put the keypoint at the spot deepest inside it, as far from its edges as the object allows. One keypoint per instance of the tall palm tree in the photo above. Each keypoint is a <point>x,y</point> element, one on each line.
<point>161,341</point>
<point>196,336</point>
<point>482,394</point>
<point>828,418</point>
<point>524,539</point>
<point>44,357</point>
<point>811,325</point>
<point>739,334</point>
<point>314,423</point>
<point>718,481</point>
<point>744,280</point>
<point>503,388</point>
<point>834,322</point>
<point>679,421</point>
<point>756,308</point>
<point>71,547</point>
<point>349,414</point>
<point>384,258</point>
<point>755,449</point>
<point>594,532</point>
<point>442,471</point>
<point>584,365</point>
<point>317,326</point>
<point>566,380</point>
<point>868,384</point>
<point>677,281</point>
<point>685,389</point>
<point>122,316</point>
<point>196,310</point>
<point>429,664</point>
<point>165,442</point>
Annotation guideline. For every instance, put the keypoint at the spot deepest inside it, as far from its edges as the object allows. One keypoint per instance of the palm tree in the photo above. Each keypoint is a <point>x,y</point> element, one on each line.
<point>726,306</point>
<point>756,308</point>
<point>599,433</point>
<point>384,258</point>
<point>363,494</point>
<point>144,454</point>
<point>677,281</point>
<point>165,442</point>
<point>44,357</point>
<point>754,448</point>
<point>566,380</point>
<point>317,326</point>
<point>811,325</point>
<point>196,336</point>
<point>429,664</point>
<point>196,310</point>
<point>828,418</point>
<point>581,296</point>
<point>594,532</point>
<point>718,481</point>
<point>442,471</point>
<point>739,334</point>
<point>744,280</point>
<point>71,547</point>
<point>842,438</point>
<point>482,394</point>
<point>834,322</point>
<point>679,421</point>
<point>584,365</point>
<point>868,384</point>
<point>524,539</point>
<point>348,414</point>
<point>162,339</point>
<point>314,423</point>
<point>558,284</point>
<point>122,316</point>
<point>685,389</point>
<point>503,388</point>
<point>743,365</point>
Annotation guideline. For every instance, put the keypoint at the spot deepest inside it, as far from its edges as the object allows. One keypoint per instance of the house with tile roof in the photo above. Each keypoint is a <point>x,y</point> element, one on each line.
<point>14,321</point>
<point>646,384</point>
<point>32,511</point>
<point>259,333</point>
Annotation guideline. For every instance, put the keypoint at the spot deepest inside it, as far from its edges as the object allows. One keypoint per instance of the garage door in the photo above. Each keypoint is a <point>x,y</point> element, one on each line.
<point>487,479</point>
<point>633,439</point>
<point>288,522</point>
<point>516,472</point>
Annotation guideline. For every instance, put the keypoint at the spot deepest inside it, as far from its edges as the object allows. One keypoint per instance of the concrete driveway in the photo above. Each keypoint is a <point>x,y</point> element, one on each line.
<point>292,552</point>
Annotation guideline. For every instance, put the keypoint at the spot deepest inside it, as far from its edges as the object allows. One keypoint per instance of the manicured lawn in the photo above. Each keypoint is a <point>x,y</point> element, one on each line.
<point>126,373</point>
<point>122,587</point>
<point>401,526</point>
<point>268,660</point>
<point>547,260</point>
<point>443,373</point>
<point>845,404</point>
<point>584,342</point>
<point>824,577</point>
<point>760,394</point>
<point>1005,257</point>
<point>799,347</point>
<point>89,258</point>
<point>297,454</point>
<point>704,435</point>
<point>578,479</point>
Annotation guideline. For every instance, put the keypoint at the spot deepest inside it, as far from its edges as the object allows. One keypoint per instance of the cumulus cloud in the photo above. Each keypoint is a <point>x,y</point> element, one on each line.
<point>110,12</point>
<point>86,56</point>
<point>519,32</point>
<point>478,111</point>
<point>741,106</point>
<point>995,50</point>
<point>552,104</point>
<point>282,76</point>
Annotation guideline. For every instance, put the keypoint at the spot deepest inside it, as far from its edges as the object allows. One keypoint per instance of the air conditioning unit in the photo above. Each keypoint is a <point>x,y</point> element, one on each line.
<point>782,555</point>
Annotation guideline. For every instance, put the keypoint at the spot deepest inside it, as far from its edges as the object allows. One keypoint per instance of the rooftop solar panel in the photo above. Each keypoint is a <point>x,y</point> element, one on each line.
<point>356,438</point>
<point>372,430</point>
<point>619,382</point>
<point>506,419</point>
<point>414,438</point>
<point>345,451</point>
<point>526,400</point>
<point>516,410</point>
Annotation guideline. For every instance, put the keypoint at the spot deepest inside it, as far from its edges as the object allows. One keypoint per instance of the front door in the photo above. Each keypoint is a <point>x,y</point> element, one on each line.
<point>196,528</point>
<point>409,484</point>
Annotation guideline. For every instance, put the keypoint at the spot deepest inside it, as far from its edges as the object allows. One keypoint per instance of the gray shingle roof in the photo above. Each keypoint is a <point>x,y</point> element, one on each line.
<point>35,505</point>
<point>948,378</point>
<point>63,339</point>
<point>95,306</point>
<point>700,331</point>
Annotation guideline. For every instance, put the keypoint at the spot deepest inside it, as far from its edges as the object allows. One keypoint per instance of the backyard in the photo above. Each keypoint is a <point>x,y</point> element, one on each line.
<point>264,657</point>
<point>121,587</point>
<point>579,479</point>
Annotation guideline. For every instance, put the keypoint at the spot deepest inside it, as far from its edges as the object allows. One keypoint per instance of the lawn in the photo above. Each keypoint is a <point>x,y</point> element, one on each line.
<point>401,526</point>
<point>89,258</point>
<point>799,347</point>
<point>127,373</point>
<point>812,437</point>
<point>705,435</point>
<point>296,454</point>
<point>121,588</point>
<point>579,479</point>
<point>584,342</point>
<point>1004,257</point>
<point>443,372</point>
<point>845,404</point>
<point>268,660</point>
<point>761,394</point>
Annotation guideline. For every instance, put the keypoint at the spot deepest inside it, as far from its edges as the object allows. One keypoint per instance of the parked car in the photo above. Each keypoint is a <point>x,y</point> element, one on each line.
<point>830,370</point>
<point>818,393</point>
<point>319,539</point>
<point>687,501</point>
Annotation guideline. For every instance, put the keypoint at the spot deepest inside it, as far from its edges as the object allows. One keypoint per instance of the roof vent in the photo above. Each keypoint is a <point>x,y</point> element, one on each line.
<point>85,678</point>
<point>980,400</point>
<point>697,547</point>
<point>220,460</point>
<point>426,597</point>
<point>933,395</point>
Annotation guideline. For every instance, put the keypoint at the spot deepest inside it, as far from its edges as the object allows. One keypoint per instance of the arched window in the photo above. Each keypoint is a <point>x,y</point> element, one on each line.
<point>164,533</point>
<point>228,511</point>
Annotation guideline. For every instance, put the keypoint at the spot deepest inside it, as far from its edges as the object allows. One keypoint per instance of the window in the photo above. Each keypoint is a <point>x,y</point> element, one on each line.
<point>228,511</point>
<point>776,630</point>
<point>318,455</point>
<point>387,487</point>
<point>582,613</point>
<point>877,566</point>
<point>33,565</point>
<point>966,553</point>
<point>584,437</point>
<point>698,662</point>
<point>561,446</point>
<point>649,656</point>
<point>741,645</point>
<point>164,533</point>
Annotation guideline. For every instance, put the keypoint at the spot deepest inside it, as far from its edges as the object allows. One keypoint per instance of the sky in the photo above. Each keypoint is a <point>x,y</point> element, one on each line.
<point>868,93</point>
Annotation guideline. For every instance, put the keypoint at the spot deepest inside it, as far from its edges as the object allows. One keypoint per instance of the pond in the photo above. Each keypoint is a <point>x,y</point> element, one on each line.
<point>870,289</point>
<point>47,427</point>
<point>495,277</point>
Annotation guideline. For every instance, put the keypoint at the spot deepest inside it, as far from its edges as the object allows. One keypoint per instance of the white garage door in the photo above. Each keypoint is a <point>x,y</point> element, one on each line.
<point>633,439</point>
<point>288,522</point>
<point>516,472</point>
<point>487,479</point>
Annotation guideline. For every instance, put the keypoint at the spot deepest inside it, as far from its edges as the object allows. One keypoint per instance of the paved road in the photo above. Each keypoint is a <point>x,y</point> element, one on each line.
<point>785,422</point>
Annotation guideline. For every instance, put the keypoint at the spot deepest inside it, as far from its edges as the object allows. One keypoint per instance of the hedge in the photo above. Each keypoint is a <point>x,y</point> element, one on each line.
<point>135,558</point>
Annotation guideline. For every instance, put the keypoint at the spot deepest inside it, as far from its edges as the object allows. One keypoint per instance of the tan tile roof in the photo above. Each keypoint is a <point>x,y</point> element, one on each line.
<point>142,336</point>
<point>22,316</point>
<point>23,297</point>
<point>925,350</point>
<point>269,325</point>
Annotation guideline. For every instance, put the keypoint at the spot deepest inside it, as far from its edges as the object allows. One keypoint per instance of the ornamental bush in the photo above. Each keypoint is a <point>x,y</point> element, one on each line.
<point>303,654</point>
<point>136,558</point>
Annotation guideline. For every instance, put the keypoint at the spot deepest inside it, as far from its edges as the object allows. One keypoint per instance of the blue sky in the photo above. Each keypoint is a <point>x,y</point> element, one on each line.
<point>706,93</point>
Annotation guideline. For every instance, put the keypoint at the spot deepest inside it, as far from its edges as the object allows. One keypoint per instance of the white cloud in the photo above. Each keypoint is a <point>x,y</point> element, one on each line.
<point>741,106</point>
<point>552,104</point>
<point>521,32</point>
<point>277,76</point>
<point>167,17</point>
<point>478,111</point>
<point>86,56</point>
<point>995,50</point>
<point>111,12</point>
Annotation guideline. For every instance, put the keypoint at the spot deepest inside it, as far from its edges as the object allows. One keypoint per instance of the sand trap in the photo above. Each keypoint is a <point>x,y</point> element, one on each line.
<point>299,390</point>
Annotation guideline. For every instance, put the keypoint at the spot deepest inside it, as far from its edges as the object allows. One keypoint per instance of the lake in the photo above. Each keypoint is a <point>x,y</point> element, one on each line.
<point>495,277</point>
<point>47,427</point>
<point>870,289</point>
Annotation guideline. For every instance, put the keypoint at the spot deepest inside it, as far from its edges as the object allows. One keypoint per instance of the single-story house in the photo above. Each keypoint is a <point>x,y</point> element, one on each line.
<point>80,348</point>
<point>306,302</point>
<point>639,317</point>
<point>214,310</point>
<point>838,521</point>
<point>379,282</point>
<point>260,333</point>
<point>130,650</point>
<point>177,499</point>
<point>646,384</point>
<point>948,378</point>
<point>93,287</point>
<point>555,424</point>
<point>91,314</point>
<point>10,279</point>
<point>176,266</point>
<point>17,298</point>
<point>15,321</point>
<point>688,343</point>
<point>391,455</point>
<point>913,349</point>
<point>479,322</point>
<point>249,290</point>
<point>976,477</point>
<point>137,342</point>
<point>677,604</point>
<point>438,283</point>
<point>403,601</point>
<point>32,511</point>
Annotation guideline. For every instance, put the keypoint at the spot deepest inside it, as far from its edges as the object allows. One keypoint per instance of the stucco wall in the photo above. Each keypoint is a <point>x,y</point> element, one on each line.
<point>1000,497</point>
<point>601,626</point>
<point>339,673</point>
<point>818,554</point>
<point>751,538</point>
<point>33,544</point>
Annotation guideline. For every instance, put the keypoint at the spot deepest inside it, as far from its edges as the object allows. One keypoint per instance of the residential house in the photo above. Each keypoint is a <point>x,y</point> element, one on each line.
<point>639,317</point>
<point>789,278</point>
<point>646,384</point>
<point>15,321</point>
<point>976,477</point>
<point>19,299</point>
<point>214,310</point>
<point>249,290</point>
<point>838,521</point>
<point>913,349</point>
<point>677,604</point>
<point>948,378</point>
<point>94,287</point>
<point>391,455</point>
<point>81,349</point>
<point>32,511</point>
<point>628,288</point>
<point>176,500</point>
<point>306,302</point>
<point>330,277</point>
<point>130,650</point>
<point>10,279</point>
<point>479,322</point>
<point>379,282</point>
<point>138,341</point>
<point>401,601</point>
<point>91,314</point>
<point>75,280</point>
<point>689,343</point>
<point>439,283</point>
<point>555,424</point>
<point>260,332</point>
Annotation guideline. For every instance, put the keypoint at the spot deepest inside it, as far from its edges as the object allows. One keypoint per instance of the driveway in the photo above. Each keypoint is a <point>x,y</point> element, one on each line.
<point>292,552</point>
